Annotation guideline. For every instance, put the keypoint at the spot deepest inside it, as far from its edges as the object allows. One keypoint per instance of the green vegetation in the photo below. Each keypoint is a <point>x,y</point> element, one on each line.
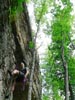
<point>31,44</point>
<point>16,7</point>
<point>59,64</point>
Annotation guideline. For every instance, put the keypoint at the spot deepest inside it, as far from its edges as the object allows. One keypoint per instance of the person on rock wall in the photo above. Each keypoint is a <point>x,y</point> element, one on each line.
<point>19,75</point>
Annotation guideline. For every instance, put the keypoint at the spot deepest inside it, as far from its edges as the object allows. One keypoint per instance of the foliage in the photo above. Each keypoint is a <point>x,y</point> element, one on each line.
<point>45,97</point>
<point>41,9</point>
<point>60,29</point>
<point>31,44</point>
<point>61,34</point>
<point>52,78</point>
<point>16,7</point>
<point>71,63</point>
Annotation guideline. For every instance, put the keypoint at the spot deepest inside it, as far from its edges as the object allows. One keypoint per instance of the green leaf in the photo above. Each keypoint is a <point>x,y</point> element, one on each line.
<point>31,44</point>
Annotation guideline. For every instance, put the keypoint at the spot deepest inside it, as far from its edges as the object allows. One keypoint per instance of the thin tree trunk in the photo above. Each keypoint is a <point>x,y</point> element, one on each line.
<point>66,81</point>
<point>31,78</point>
<point>33,66</point>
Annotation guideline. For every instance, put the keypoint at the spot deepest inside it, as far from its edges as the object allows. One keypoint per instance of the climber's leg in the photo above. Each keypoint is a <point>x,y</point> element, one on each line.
<point>24,83</point>
<point>13,86</point>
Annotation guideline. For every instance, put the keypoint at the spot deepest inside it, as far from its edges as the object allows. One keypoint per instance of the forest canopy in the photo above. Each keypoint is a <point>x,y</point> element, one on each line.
<point>58,62</point>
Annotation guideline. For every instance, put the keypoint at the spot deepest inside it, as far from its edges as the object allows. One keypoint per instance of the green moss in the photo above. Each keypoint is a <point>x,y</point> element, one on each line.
<point>31,44</point>
<point>15,8</point>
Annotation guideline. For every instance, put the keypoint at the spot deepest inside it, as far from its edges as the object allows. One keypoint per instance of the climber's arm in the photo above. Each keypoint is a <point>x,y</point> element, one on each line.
<point>15,72</point>
<point>27,72</point>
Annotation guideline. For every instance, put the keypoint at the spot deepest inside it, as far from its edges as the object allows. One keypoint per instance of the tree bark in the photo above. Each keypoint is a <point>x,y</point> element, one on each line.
<point>31,78</point>
<point>33,65</point>
<point>66,78</point>
<point>15,36</point>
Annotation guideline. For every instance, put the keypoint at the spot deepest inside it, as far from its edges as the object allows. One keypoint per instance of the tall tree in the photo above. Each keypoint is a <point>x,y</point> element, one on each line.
<point>60,52</point>
<point>15,39</point>
<point>41,7</point>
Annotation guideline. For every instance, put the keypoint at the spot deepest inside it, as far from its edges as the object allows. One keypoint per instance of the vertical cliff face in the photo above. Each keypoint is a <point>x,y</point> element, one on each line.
<point>15,39</point>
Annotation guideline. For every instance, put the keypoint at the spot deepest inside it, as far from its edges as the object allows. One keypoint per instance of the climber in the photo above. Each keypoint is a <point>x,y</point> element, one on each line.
<point>19,75</point>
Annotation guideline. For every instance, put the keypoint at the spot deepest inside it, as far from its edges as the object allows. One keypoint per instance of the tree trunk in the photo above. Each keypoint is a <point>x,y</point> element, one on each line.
<point>31,78</point>
<point>15,36</point>
<point>66,81</point>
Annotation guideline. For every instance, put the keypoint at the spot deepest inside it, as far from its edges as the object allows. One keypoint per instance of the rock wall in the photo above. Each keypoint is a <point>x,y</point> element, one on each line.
<point>15,37</point>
